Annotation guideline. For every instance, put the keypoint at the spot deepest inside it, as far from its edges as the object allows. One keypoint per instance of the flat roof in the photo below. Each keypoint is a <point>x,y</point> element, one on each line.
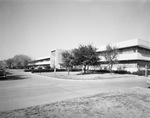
<point>42,58</point>
<point>39,59</point>
<point>128,43</point>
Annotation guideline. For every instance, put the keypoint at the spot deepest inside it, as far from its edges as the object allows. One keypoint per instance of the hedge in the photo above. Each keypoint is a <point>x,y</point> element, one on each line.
<point>122,72</point>
<point>49,70</point>
<point>28,70</point>
<point>52,70</point>
<point>107,71</point>
<point>42,70</point>
<point>141,73</point>
<point>74,70</point>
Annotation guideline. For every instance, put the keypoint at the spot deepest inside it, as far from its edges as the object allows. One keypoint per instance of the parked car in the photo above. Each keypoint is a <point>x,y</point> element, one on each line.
<point>148,80</point>
<point>2,73</point>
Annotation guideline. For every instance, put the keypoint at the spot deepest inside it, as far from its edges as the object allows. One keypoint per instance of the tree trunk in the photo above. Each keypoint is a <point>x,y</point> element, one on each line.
<point>110,68</point>
<point>68,71</point>
<point>87,69</point>
<point>84,69</point>
<point>54,71</point>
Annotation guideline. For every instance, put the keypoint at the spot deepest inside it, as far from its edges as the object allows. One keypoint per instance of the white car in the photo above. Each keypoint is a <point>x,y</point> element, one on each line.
<point>148,80</point>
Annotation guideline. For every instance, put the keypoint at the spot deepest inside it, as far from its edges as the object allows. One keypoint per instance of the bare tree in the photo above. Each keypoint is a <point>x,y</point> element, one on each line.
<point>111,56</point>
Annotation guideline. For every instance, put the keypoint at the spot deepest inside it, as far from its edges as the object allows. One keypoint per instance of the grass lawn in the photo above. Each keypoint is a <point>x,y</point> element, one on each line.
<point>80,76</point>
<point>125,103</point>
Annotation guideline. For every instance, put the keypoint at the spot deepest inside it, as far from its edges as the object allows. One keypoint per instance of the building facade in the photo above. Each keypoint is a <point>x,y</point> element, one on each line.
<point>133,55</point>
<point>41,63</point>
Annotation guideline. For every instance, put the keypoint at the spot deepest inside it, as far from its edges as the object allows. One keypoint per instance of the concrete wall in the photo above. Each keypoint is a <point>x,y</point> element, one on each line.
<point>56,58</point>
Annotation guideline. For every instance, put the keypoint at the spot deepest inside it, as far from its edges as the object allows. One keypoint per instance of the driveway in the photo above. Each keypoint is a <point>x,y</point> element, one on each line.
<point>29,89</point>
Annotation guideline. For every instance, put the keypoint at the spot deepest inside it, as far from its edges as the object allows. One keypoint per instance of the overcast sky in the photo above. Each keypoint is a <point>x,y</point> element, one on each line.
<point>35,27</point>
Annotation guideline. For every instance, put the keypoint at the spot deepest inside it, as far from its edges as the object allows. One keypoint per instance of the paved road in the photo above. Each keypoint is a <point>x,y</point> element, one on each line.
<point>33,89</point>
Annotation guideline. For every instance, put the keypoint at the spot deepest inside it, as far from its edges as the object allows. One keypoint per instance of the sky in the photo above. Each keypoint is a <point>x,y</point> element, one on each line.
<point>35,27</point>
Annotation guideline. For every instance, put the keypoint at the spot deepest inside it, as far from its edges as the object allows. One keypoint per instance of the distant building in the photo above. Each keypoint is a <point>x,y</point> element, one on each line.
<point>56,58</point>
<point>43,63</point>
<point>133,55</point>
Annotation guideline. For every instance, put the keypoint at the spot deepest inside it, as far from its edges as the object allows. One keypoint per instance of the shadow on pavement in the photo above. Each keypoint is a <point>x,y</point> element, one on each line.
<point>10,76</point>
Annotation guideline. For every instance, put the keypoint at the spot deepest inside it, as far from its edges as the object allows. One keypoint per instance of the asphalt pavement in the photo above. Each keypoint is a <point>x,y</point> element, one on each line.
<point>29,89</point>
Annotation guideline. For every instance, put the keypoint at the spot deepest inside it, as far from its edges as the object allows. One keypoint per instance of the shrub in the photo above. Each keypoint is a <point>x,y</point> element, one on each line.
<point>141,73</point>
<point>28,70</point>
<point>95,72</point>
<point>74,69</point>
<point>47,70</point>
<point>122,72</point>
<point>42,70</point>
<point>101,71</point>
<point>107,71</point>
<point>60,70</point>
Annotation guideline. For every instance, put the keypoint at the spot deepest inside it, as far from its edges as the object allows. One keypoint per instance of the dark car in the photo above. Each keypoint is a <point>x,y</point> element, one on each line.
<point>2,73</point>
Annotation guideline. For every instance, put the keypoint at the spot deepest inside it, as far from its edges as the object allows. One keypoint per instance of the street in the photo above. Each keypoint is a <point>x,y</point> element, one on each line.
<point>33,89</point>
